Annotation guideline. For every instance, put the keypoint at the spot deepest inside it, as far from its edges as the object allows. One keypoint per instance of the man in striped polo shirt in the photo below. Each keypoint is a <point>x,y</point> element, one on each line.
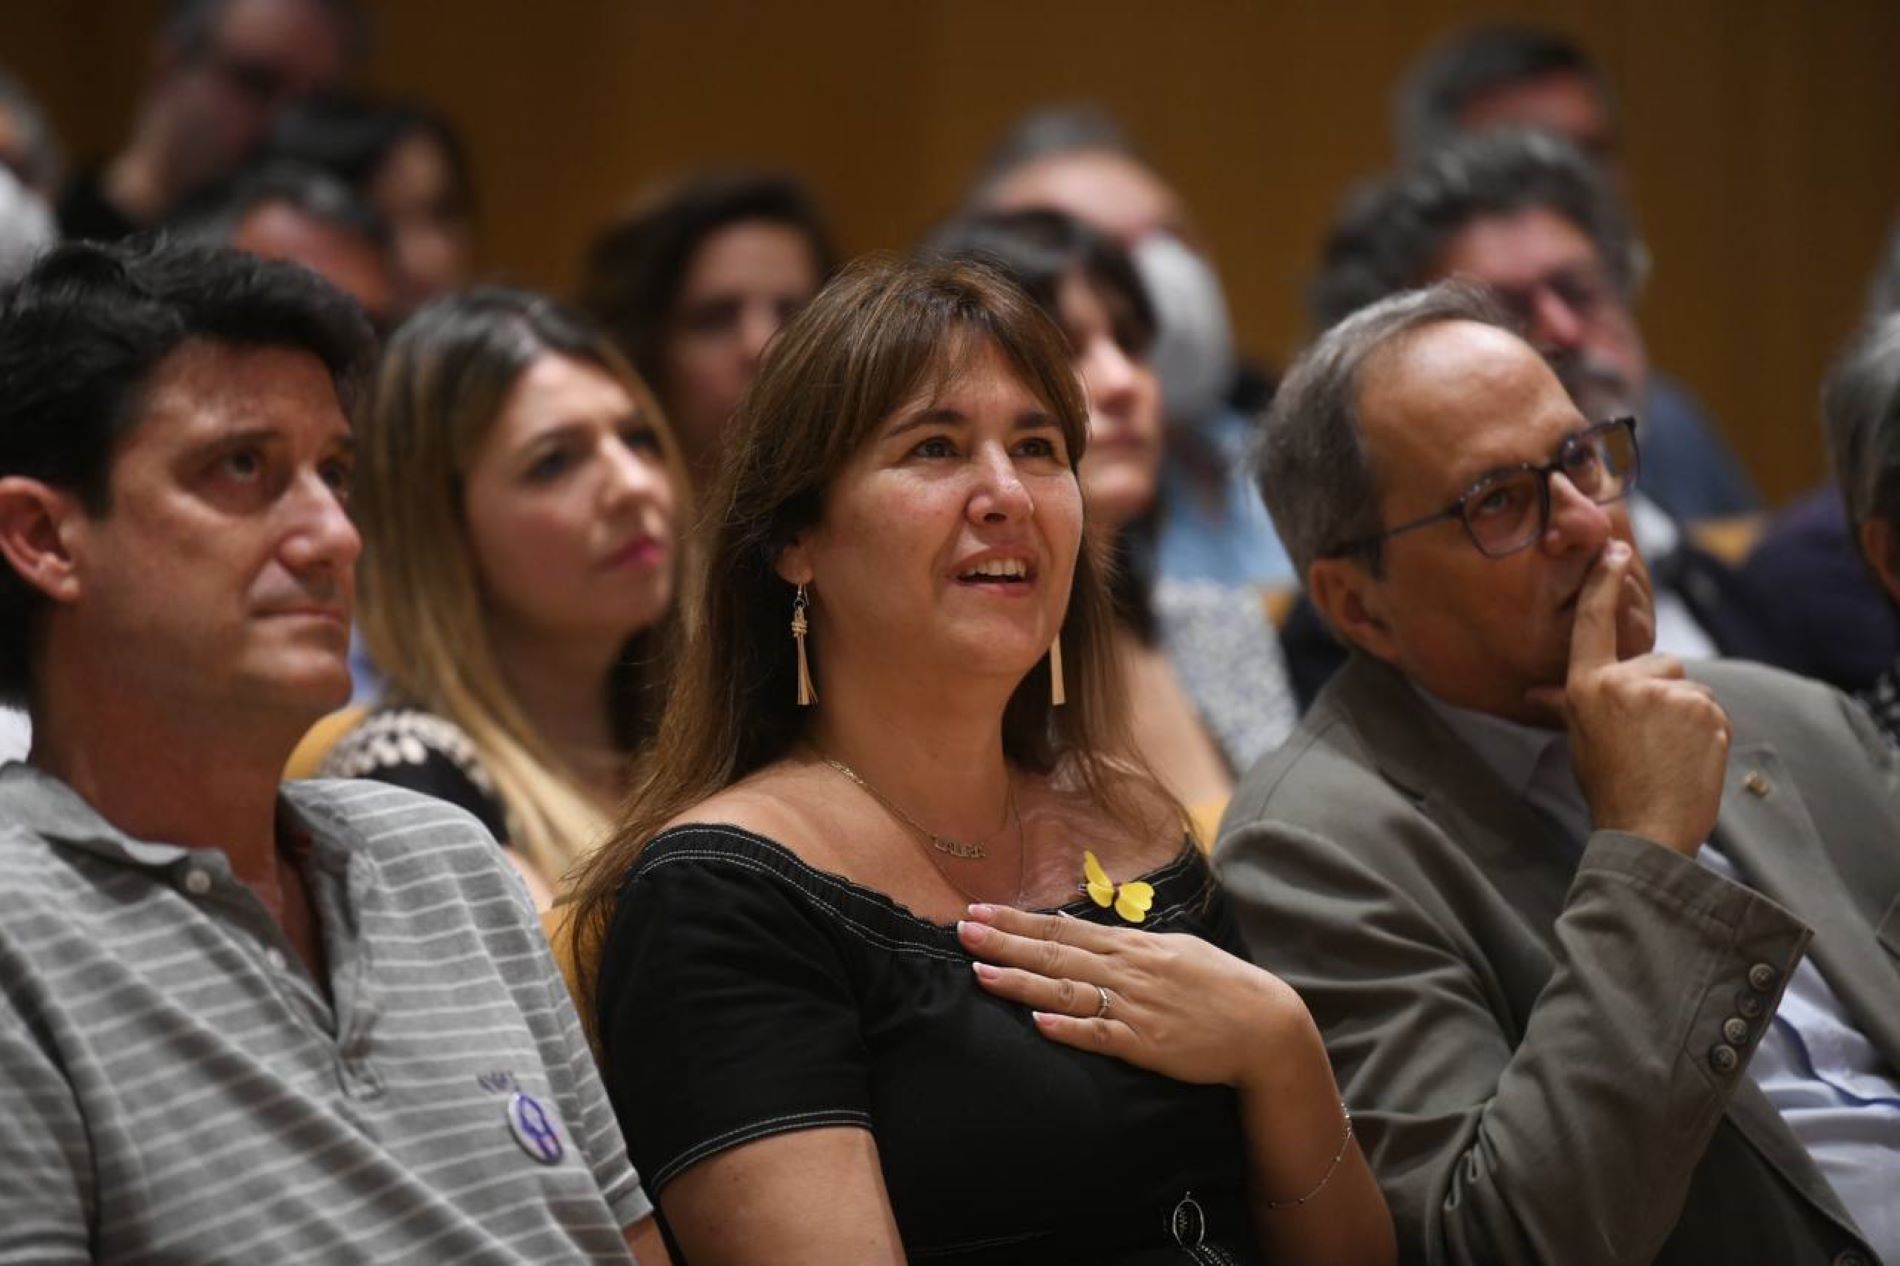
<point>242,1021</point>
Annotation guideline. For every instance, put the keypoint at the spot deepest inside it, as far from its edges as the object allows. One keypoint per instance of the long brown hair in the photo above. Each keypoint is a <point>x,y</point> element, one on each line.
<point>879,336</point>
<point>442,385</point>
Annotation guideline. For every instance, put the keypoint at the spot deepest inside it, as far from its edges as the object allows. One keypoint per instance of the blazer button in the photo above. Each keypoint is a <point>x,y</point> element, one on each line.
<point>1723,1059</point>
<point>1762,977</point>
<point>1750,1004</point>
<point>1735,1030</point>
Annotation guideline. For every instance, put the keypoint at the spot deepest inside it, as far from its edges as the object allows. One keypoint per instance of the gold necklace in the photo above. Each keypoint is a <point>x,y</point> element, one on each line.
<point>942,843</point>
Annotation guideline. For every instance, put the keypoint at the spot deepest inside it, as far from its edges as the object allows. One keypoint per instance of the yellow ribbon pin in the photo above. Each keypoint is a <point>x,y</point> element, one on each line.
<point>1131,900</point>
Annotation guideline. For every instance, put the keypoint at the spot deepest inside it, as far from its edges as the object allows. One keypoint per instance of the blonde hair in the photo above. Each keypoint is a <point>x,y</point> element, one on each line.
<point>441,386</point>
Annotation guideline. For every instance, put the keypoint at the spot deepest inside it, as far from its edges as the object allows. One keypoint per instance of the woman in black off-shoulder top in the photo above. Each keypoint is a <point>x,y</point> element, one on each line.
<point>897,955</point>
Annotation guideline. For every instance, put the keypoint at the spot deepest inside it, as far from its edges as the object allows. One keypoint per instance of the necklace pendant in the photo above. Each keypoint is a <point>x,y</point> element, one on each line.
<point>957,848</point>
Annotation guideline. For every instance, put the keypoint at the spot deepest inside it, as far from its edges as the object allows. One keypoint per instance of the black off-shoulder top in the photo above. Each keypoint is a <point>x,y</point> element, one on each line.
<point>744,993</point>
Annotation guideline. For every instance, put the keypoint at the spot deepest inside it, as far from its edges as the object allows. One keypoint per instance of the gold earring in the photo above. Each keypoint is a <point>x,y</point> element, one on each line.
<point>801,626</point>
<point>1057,695</point>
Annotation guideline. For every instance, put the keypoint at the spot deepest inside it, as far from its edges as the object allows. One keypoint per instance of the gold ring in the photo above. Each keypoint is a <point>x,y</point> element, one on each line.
<point>1101,1011</point>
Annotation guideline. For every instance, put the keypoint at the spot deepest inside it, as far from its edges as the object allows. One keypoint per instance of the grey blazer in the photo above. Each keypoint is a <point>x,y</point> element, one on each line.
<point>1546,1056</point>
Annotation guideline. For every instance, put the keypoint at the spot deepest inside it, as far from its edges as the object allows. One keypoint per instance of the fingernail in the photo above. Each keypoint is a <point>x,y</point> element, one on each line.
<point>972,932</point>
<point>985,972</point>
<point>979,910</point>
<point>1616,552</point>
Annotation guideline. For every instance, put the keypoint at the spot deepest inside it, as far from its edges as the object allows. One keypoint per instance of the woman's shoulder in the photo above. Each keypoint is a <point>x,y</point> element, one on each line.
<point>412,747</point>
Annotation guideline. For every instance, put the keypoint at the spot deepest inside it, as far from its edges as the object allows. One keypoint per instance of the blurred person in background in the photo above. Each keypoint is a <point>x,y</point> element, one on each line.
<point>1861,405</point>
<point>1077,160</point>
<point>521,502</point>
<point>406,164</point>
<point>1505,76</point>
<point>695,281</point>
<point>306,216</point>
<point>1526,215</point>
<point>29,174</point>
<point>222,72</point>
<point>30,168</point>
<point>1207,690</point>
<point>1836,615</point>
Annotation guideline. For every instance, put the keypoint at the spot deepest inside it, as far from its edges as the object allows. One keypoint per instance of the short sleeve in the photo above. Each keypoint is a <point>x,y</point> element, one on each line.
<point>726,1011</point>
<point>46,1195</point>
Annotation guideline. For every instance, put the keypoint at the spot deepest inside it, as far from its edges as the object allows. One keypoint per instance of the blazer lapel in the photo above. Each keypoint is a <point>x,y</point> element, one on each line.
<point>1524,852</point>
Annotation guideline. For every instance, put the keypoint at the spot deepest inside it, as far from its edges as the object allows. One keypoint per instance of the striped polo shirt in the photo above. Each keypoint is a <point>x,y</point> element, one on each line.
<point>175,1088</point>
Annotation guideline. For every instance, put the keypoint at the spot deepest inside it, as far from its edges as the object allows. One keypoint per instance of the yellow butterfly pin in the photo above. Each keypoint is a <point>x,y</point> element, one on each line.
<point>1131,900</point>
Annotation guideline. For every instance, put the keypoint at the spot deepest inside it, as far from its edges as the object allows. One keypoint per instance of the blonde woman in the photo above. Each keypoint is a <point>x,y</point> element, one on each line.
<point>520,501</point>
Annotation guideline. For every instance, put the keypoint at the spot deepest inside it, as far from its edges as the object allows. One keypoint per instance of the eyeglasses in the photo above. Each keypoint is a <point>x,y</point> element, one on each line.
<point>1509,509</point>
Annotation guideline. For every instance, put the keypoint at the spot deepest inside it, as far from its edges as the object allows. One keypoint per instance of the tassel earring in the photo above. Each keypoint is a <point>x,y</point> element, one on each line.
<point>1057,695</point>
<point>801,626</point>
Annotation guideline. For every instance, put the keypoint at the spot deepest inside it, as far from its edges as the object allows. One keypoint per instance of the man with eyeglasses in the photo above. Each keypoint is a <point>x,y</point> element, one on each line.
<point>1526,215</point>
<point>223,71</point>
<point>1603,949</point>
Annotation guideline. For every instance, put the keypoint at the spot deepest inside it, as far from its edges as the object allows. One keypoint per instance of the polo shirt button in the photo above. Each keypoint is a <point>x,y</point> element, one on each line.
<point>1851,1257</point>
<point>1762,977</point>
<point>1749,1004</point>
<point>197,882</point>
<point>1735,1030</point>
<point>1723,1059</point>
<point>275,957</point>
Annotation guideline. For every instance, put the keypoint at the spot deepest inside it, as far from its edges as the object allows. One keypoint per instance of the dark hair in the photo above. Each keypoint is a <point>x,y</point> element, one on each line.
<point>1391,234</point>
<point>1039,250</point>
<point>352,137</point>
<point>190,26</point>
<point>1429,106</point>
<point>635,267</point>
<point>212,218</point>
<point>81,335</point>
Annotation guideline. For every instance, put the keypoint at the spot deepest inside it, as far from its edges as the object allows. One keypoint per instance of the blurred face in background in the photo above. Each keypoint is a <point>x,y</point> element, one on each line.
<point>1563,102</point>
<point>1109,192</point>
<point>1551,274</point>
<point>1119,473</point>
<point>340,255</point>
<point>261,57</point>
<point>571,513</point>
<point>418,193</point>
<point>744,281</point>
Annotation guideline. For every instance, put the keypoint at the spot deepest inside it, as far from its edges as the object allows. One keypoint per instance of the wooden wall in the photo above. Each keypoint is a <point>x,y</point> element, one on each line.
<point>1763,135</point>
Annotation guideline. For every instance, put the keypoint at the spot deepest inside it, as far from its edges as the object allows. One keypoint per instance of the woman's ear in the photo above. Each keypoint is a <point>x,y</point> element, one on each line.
<point>35,526</point>
<point>793,562</point>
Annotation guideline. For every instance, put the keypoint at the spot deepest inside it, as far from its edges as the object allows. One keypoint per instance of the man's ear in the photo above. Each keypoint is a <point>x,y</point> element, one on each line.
<point>1353,602</point>
<point>36,523</point>
<point>1880,545</point>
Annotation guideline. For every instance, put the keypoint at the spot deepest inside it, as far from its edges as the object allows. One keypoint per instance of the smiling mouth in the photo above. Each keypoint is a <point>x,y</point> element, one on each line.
<point>1013,571</point>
